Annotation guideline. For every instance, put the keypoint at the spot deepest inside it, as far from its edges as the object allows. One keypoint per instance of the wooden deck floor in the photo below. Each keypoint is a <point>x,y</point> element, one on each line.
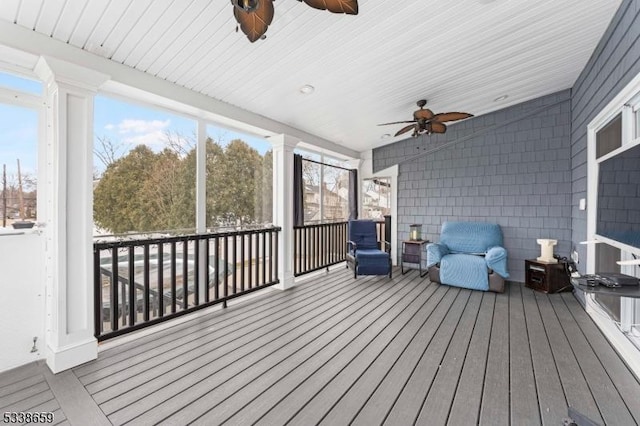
<point>368,351</point>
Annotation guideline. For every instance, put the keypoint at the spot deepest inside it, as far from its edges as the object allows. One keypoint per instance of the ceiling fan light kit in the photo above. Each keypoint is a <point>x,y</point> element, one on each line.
<point>255,16</point>
<point>425,122</point>
<point>246,5</point>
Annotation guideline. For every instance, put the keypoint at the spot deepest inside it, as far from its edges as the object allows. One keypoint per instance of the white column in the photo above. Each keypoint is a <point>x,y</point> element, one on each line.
<point>283,146</point>
<point>68,212</point>
<point>201,177</point>
<point>201,201</point>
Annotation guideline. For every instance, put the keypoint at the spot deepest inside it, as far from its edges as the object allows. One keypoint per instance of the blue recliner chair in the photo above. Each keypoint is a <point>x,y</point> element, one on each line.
<point>363,252</point>
<point>469,255</point>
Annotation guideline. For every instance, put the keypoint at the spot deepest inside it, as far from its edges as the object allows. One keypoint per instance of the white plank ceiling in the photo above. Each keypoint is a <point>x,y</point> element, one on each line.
<point>366,69</point>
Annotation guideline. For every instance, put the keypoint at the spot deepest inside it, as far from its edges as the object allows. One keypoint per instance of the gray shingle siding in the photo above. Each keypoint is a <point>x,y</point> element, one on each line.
<point>511,167</point>
<point>522,167</point>
<point>614,63</point>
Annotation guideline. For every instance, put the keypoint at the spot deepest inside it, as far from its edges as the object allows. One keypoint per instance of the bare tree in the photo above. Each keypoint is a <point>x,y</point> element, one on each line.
<point>108,151</point>
<point>179,143</point>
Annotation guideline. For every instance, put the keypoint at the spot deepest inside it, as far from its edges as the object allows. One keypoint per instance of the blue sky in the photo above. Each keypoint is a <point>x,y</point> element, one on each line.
<point>126,124</point>
<point>19,129</point>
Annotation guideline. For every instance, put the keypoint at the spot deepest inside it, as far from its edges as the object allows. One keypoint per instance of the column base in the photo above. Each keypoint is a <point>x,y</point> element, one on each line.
<point>70,356</point>
<point>286,281</point>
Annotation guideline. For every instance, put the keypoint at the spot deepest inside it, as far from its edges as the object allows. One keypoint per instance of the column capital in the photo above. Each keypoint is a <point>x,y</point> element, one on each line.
<point>55,70</point>
<point>355,163</point>
<point>283,141</point>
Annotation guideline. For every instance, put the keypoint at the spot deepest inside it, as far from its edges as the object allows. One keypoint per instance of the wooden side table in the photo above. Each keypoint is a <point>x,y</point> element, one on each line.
<point>412,252</point>
<point>546,277</point>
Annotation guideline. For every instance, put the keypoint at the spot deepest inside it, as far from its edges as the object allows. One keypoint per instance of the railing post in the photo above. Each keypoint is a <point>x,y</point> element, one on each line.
<point>387,228</point>
<point>283,146</point>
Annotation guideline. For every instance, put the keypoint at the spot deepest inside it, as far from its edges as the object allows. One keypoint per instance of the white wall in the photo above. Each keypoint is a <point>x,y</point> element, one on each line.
<point>21,298</point>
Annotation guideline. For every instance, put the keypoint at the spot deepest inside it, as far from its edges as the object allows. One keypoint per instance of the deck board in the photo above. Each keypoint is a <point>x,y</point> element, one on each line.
<point>276,345</point>
<point>435,409</point>
<point>627,385</point>
<point>211,336</point>
<point>551,399</point>
<point>235,342</point>
<point>574,385</point>
<point>524,394</point>
<point>380,403</point>
<point>20,385</point>
<point>466,404</point>
<point>373,374</point>
<point>335,350</point>
<point>347,353</point>
<point>407,407</point>
<point>612,407</point>
<point>494,410</point>
<point>347,322</point>
<point>137,350</point>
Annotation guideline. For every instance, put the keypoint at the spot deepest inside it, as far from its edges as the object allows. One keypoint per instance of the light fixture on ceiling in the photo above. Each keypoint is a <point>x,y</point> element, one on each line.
<point>246,5</point>
<point>255,16</point>
<point>500,98</point>
<point>385,136</point>
<point>307,89</point>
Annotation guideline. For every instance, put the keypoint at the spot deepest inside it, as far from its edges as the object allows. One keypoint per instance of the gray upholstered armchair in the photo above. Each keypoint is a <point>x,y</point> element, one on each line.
<point>469,255</point>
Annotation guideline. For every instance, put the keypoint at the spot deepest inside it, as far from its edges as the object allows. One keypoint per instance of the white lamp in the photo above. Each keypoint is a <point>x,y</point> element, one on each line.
<point>546,250</point>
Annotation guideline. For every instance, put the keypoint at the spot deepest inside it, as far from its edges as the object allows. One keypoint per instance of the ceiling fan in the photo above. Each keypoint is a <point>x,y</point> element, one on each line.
<point>426,122</point>
<point>255,16</point>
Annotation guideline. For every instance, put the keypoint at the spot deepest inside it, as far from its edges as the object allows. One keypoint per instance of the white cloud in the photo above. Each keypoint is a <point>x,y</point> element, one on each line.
<point>142,126</point>
<point>155,138</point>
<point>146,132</point>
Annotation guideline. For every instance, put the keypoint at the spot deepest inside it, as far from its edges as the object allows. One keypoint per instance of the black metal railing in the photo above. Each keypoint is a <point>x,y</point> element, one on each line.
<point>319,246</point>
<point>142,282</point>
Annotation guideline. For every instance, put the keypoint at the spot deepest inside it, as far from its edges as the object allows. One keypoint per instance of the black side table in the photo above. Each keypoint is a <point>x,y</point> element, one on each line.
<point>412,252</point>
<point>546,277</point>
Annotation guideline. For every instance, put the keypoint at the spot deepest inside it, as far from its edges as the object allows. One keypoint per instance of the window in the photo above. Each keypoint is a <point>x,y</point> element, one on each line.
<point>326,188</point>
<point>21,84</point>
<point>144,169</point>
<point>239,179</point>
<point>609,137</point>
<point>376,198</point>
<point>614,207</point>
<point>19,130</point>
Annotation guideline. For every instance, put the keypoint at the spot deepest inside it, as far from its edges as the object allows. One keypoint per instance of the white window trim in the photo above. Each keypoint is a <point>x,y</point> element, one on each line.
<point>625,103</point>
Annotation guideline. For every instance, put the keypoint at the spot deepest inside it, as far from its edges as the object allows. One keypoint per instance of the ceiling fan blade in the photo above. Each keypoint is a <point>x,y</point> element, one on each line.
<point>437,127</point>
<point>425,114</point>
<point>255,23</point>
<point>349,7</point>
<point>405,129</point>
<point>451,116</point>
<point>397,122</point>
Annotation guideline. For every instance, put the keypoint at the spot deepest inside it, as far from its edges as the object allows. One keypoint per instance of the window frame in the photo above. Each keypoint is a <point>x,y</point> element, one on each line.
<point>14,97</point>
<point>627,105</point>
